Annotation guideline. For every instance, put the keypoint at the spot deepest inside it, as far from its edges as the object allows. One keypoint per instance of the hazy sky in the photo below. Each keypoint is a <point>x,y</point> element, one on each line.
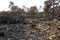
<point>28,3</point>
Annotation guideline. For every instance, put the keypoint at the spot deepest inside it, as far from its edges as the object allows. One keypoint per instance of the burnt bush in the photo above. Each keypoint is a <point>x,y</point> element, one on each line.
<point>11,19</point>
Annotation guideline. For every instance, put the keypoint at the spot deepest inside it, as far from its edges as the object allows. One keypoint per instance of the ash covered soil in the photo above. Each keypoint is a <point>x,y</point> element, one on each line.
<point>31,29</point>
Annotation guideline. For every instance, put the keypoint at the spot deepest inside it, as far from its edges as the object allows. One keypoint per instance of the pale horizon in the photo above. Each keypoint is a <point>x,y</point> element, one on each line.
<point>28,3</point>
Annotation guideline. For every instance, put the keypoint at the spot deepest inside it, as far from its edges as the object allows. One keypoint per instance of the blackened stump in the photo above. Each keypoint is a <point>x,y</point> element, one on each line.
<point>2,34</point>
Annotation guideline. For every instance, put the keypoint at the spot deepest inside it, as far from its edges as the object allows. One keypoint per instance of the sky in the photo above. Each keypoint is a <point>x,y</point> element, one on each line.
<point>28,3</point>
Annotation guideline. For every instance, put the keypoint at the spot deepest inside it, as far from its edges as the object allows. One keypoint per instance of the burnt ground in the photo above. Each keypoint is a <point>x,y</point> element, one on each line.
<point>30,29</point>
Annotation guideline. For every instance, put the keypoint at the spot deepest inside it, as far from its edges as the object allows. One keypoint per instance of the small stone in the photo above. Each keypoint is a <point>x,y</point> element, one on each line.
<point>58,28</point>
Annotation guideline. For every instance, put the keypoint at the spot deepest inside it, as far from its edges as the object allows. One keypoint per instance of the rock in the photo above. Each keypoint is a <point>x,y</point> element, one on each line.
<point>50,34</point>
<point>42,27</point>
<point>58,27</point>
<point>54,21</point>
<point>28,21</point>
